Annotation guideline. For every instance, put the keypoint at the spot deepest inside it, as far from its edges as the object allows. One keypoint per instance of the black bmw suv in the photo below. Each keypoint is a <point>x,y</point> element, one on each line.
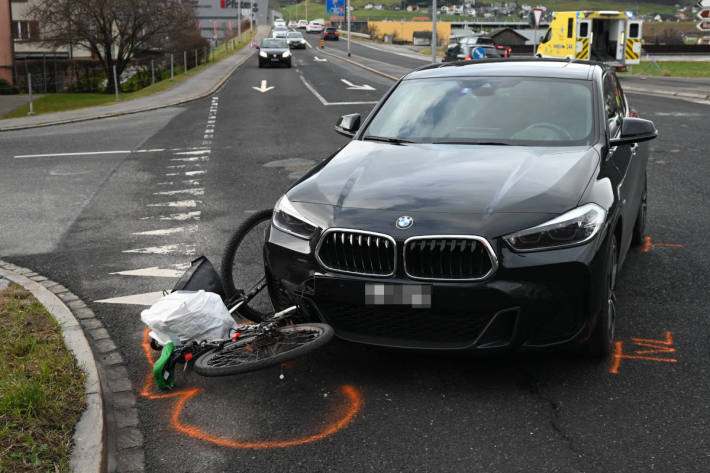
<point>479,206</point>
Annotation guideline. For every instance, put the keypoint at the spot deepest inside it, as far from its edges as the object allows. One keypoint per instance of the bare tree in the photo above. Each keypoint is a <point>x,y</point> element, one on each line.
<point>113,29</point>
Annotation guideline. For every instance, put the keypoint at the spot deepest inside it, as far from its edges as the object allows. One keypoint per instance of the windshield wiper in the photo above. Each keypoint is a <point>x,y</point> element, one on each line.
<point>397,141</point>
<point>470,142</point>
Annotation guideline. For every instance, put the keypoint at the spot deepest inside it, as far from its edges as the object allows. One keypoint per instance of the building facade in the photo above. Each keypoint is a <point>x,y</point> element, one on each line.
<point>218,18</point>
<point>6,53</point>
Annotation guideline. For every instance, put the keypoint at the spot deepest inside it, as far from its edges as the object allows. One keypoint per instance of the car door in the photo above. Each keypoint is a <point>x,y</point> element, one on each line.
<point>621,157</point>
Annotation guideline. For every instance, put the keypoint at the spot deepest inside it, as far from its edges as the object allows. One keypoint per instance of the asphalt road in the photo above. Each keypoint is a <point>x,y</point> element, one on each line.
<point>81,219</point>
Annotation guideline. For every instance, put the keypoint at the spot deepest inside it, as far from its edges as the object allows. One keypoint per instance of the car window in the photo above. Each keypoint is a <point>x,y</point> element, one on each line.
<point>547,36</point>
<point>274,43</point>
<point>512,110</point>
<point>613,105</point>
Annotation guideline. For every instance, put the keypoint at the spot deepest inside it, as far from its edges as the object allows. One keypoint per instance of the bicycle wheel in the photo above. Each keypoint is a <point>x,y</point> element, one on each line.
<point>243,269</point>
<point>255,352</point>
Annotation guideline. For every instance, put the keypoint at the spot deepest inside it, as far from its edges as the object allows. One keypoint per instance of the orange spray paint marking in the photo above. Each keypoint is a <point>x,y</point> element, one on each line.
<point>353,406</point>
<point>648,244</point>
<point>656,347</point>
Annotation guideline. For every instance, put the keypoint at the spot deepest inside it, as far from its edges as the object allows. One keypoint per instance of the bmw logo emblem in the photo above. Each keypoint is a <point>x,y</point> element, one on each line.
<point>404,222</point>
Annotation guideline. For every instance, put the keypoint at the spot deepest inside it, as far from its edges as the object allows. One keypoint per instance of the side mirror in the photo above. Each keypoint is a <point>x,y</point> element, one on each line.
<point>635,130</point>
<point>348,124</point>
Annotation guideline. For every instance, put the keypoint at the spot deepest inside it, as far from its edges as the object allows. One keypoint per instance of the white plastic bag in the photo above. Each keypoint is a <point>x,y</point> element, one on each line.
<point>182,316</point>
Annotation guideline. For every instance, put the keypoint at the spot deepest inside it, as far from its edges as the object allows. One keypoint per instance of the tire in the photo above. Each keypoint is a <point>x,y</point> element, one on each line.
<point>601,343</point>
<point>639,234</point>
<point>243,265</point>
<point>241,356</point>
<point>260,65</point>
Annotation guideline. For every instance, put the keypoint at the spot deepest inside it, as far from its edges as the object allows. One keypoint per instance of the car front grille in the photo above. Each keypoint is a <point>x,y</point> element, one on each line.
<point>357,252</point>
<point>451,258</point>
<point>404,326</point>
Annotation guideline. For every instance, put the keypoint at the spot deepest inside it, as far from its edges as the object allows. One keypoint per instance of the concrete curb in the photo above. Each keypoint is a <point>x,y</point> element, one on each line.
<point>138,110</point>
<point>666,93</point>
<point>107,437</point>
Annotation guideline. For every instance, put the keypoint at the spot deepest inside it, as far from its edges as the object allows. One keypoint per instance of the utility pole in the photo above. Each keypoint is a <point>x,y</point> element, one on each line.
<point>347,8</point>
<point>239,20</point>
<point>251,17</point>
<point>434,41</point>
<point>306,10</point>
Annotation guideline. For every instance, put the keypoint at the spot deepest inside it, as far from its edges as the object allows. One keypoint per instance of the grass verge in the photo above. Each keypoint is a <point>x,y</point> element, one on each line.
<point>41,388</point>
<point>672,69</point>
<point>62,102</point>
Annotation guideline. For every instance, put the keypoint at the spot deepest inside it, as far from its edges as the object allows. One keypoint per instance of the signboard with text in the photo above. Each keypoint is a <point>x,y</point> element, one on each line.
<point>335,7</point>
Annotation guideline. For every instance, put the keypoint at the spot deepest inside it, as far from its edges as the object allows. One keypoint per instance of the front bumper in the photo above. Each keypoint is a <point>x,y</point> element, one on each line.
<point>534,300</point>
<point>274,59</point>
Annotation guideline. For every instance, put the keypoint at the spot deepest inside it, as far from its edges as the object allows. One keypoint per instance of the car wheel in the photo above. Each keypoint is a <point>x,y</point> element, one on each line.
<point>260,65</point>
<point>288,64</point>
<point>639,232</point>
<point>602,340</point>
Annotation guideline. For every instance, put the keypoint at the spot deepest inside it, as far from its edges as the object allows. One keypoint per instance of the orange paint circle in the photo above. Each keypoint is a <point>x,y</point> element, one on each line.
<point>351,394</point>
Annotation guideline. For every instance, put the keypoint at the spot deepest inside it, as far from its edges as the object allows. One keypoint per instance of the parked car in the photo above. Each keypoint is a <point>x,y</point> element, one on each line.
<point>295,40</point>
<point>331,33</point>
<point>480,206</point>
<point>274,51</point>
<point>279,32</point>
<point>464,52</point>
<point>315,27</point>
<point>471,41</point>
<point>302,24</point>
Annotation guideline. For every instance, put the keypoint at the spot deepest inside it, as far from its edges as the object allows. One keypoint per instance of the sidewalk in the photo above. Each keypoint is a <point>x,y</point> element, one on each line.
<point>193,88</point>
<point>692,88</point>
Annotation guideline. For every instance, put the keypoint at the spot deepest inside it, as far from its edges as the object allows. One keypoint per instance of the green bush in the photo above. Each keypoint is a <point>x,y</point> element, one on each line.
<point>8,89</point>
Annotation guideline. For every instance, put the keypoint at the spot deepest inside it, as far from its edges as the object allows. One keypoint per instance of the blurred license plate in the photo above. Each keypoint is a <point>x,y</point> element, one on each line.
<point>415,295</point>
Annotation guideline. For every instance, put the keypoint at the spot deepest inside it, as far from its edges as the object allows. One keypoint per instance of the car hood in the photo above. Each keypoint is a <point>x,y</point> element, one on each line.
<point>471,179</point>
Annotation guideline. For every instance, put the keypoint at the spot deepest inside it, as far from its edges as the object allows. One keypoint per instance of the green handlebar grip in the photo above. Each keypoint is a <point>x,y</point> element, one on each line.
<point>165,378</point>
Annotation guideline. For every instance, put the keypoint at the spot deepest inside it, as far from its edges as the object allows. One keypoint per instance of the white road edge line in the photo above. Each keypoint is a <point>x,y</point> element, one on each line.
<point>98,153</point>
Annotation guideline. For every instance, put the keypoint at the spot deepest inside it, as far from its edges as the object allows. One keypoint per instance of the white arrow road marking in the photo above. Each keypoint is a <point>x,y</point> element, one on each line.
<point>319,59</point>
<point>177,203</point>
<point>263,87</point>
<point>169,231</point>
<point>352,86</point>
<point>155,272</point>
<point>188,249</point>
<point>148,298</point>
<point>198,191</point>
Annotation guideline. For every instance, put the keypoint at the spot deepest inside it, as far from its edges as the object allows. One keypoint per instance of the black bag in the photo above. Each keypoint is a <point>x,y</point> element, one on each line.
<point>200,275</point>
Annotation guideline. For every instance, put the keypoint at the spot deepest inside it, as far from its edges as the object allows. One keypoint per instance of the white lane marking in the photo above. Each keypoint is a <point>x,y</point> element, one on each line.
<point>154,272</point>
<point>324,101</point>
<point>177,203</point>
<point>109,152</point>
<point>319,59</point>
<point>182,216</point>
<point>191,160</point>
<point>147,298</point>
<point>67,173</point>
<point>169,231</point>
<point>57,155</point>
<point>198,191</point>
<point>183,166</point>
<point>188,182</point>
<point>193,153</point>
<point>194,173</point>
<point>184,249</point>
<point>263,87</point>
<point>352,86</point>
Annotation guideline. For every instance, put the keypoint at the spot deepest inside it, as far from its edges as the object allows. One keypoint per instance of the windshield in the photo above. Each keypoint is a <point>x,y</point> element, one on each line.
<point>274,43</point>
<point>488,110</point>
<point>294,35</point>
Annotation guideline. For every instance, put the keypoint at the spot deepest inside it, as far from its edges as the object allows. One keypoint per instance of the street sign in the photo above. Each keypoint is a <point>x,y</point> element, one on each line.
<point>537,14</point>
<point>335,7</point>
<point>704,25</point>
<point>704,3</point>
<point>704,14</point>
<point>479,53</point>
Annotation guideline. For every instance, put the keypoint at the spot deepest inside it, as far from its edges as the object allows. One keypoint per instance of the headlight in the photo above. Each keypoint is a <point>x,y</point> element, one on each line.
<point>287,219</point>
<point>263,54</point>
<point>303,41</point>
<point>572,228</point>
<point>286,54</point>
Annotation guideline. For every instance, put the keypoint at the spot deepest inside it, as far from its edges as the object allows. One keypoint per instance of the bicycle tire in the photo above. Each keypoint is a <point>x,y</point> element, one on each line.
<point>231,289</point>
<point>235,357</point>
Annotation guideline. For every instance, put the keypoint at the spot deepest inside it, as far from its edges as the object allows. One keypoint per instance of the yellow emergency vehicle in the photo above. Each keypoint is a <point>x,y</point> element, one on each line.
<point>608,36</point>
